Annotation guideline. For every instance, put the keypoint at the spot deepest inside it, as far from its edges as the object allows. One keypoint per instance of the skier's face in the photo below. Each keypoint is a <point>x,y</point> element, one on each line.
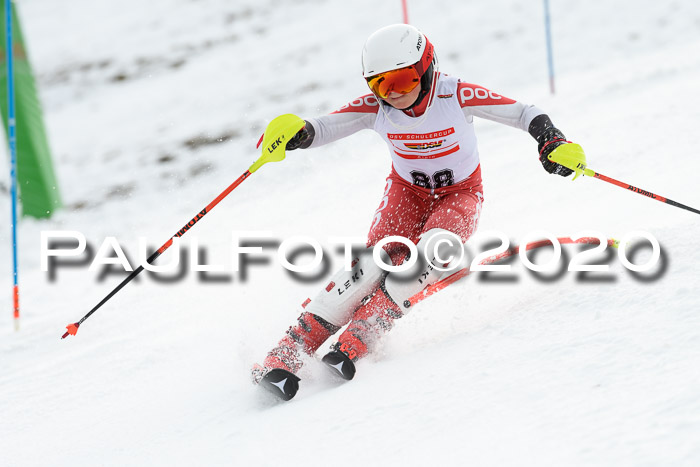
<point>403,101</point>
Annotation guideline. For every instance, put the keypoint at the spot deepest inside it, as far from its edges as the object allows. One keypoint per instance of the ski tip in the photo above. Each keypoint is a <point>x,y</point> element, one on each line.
<point>340,364</point>
<point>72,330</point>
<point>281,383</point>
<point>260,141</point>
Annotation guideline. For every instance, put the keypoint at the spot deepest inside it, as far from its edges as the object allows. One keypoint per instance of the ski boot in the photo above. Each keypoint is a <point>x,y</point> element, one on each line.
<point>369,322</point>
<point>278,372</point>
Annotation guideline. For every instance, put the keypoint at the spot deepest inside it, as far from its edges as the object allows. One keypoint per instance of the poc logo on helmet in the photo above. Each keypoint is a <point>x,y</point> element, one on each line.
<point>467,94</point>
<point>420,43</point>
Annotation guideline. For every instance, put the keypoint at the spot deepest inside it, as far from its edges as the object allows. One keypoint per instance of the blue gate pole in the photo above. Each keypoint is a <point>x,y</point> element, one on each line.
<point>548,32</point>
<point>12,139</point>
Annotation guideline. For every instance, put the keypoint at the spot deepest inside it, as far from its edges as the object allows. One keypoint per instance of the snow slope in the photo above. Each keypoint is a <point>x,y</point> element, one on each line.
<point>155,107</point>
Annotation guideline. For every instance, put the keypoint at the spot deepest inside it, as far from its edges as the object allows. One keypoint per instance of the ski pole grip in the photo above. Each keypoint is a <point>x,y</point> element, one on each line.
<point>274,142</point>
<point>572,157</point>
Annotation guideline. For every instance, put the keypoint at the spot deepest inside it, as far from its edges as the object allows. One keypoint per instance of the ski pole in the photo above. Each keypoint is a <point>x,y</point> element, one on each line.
<point>646,193</point>
<point>277,133</point>
<point>452,278</point>
<point>572,157</point>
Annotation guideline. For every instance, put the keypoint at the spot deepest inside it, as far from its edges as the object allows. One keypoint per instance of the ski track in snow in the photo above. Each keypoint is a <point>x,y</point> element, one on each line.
<point>153,108</point>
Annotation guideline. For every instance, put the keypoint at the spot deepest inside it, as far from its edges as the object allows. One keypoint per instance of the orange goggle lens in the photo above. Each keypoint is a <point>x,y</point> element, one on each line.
<point>403,81</point>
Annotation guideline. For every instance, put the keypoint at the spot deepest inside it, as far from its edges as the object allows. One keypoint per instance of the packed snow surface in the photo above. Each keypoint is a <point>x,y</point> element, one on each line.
<point>153,108</point>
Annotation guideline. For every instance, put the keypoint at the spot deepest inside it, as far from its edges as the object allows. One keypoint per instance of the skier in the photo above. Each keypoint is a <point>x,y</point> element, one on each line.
<point>433,194</point>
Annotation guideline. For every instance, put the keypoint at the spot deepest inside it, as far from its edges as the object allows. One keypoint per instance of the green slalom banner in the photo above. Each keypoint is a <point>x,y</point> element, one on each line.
<point>38,187</point>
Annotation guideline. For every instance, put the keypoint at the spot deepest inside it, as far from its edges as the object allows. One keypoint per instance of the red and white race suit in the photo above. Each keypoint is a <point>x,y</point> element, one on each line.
<point>434,189</point>
<point>434,185</point>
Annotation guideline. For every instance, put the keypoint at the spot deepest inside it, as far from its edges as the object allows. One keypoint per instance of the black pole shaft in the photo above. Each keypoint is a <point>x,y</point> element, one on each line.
<point>128,279</point>
<point>682,206</point>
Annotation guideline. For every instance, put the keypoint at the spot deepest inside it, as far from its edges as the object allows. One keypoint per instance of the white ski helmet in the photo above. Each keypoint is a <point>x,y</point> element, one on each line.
<point>399,46</point>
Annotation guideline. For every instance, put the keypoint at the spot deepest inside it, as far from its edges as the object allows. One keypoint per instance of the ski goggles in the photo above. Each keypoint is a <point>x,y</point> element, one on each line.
<point>402,81</point>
